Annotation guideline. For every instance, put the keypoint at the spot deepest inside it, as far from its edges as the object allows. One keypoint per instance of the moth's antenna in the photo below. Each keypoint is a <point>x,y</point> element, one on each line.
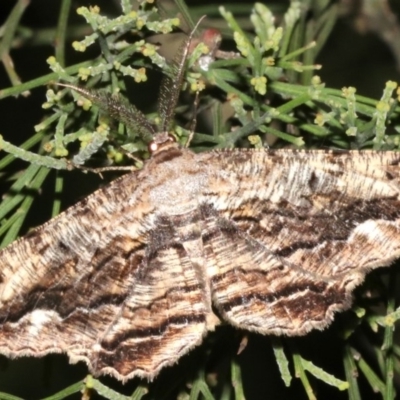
<point>194,119</point>
<point>171,86</point>
<point>116,107</point>
<point>186,21</point>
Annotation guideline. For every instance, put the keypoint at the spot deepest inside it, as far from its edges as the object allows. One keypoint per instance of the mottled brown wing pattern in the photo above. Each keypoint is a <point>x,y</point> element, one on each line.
<point>275,240</point>
<point>160,320</point>
<point>303,238</point>
<point>112,281</point>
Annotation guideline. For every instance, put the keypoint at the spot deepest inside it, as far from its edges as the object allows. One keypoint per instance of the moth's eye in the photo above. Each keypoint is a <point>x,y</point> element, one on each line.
<point>152,146</point>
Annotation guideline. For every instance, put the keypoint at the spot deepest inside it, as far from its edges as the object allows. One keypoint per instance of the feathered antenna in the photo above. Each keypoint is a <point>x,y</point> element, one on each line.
<point>171,84</point>
<point>131,116</point>
<point>119,109</point>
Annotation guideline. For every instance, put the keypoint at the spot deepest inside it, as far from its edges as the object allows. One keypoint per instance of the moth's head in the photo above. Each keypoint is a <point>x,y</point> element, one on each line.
<point>161,142</point>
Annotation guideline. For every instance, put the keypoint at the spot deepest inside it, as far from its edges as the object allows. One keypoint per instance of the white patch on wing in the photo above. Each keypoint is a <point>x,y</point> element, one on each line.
<point>39,318</point>
<point>96,347</point>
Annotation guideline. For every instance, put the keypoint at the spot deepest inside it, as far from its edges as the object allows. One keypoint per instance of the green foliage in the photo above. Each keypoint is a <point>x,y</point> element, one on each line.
<point>273,97</point>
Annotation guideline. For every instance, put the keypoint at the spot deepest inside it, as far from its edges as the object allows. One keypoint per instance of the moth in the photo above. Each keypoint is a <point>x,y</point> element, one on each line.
<point>135,275</point>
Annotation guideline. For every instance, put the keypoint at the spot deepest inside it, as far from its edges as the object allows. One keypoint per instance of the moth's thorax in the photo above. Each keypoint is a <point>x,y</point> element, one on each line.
<point>176,178</point>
